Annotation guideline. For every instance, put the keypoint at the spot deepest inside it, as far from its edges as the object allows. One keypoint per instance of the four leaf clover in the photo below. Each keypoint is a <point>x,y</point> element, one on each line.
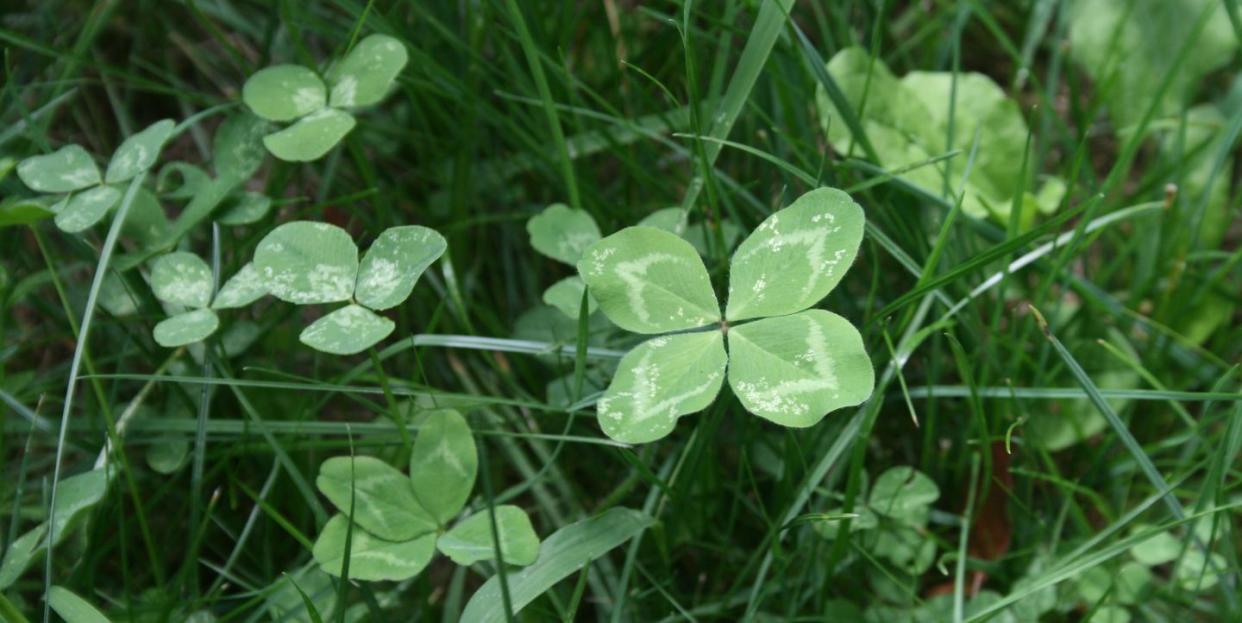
<point>184,280</point>
<point>86,197</point>
<point>787,363</point>
<point>400,522</point>
<point>309,263</point>
<point>295,93</point>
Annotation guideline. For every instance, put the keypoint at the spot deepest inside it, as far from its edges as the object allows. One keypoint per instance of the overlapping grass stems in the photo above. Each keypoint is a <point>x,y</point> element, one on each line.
<point>1047,288</point>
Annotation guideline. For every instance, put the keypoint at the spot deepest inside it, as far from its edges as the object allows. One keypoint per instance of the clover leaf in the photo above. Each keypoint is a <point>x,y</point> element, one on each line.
<point>562,233</point>
<point>184,280</point>
<point>400,522</point>
<point>788,364</point>
<point>309,263</point>
<point>907,121</point>
<point>284,93</point>
<point>85,196</point>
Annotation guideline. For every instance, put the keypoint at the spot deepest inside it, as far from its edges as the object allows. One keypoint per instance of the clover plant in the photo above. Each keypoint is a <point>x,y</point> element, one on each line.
<point>786,363</point>
<point>400,522</point>
<point>184,280</point>
<point>85,196</point>
<point>319,111</point>
<point>893,519</point>
<point>310,263</point>
<point>907,121</point>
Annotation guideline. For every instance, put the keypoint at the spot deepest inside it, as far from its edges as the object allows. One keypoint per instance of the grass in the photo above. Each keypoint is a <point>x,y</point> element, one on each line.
<point>1119,308</point>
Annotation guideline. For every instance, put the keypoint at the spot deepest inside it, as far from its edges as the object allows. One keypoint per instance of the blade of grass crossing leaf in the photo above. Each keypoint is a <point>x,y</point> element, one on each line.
<point>311,610</point>
<point>88,316</point>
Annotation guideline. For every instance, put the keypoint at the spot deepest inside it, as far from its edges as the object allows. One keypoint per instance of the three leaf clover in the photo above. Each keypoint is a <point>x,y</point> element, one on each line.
<point>400,522</point>
<point>295,93</point>
<point>786,363</point>
<point>85,196</point>
<point>184,280</point>
<point>309,263</point>
<point>893,519</point>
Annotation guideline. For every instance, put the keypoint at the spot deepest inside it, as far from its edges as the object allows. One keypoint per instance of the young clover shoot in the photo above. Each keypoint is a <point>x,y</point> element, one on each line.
<point>309,263</point>
<point>563,233</point>
<point>893,519</point>
<point>400,522</point>
<point>184,281</point>
<point>85,196</point>
<point>284,93</point>
<point>786,363</point>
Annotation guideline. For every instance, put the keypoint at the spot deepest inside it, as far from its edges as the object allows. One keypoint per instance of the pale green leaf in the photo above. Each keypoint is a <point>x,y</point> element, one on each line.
<point>242,289</point>
<point>1157,549</point>
<point>311,137</point>
<point>181,180</point>
<point>186,328</point>
<point>1129,45</point>
<point>793,370</point>
<point>443,464</point>
<point>65,170</point>
<point>284,92</point>
<point>659,381</point>
<point>71,608</point>
<point>115,297</point>
<point>181,278</point>
<point>795,257</point>
<point>347,331</point>
<point>671,220</point>
<point>367,72</point>
<point>562,554</point>
<point>24,210</point>
<point>562,233</point>
<point>471,540</point>
<point>20,553</point>
<point>384,502</point>
<point>394,263</point>
<point>245,208</point>
<point>168,453</point>
<point>75,496</point>
<point>237,148</point>
<point>907,122</point>
<point>566,295</point>
<point>84,209</point>
<point>647,280</point>
<point>138,152</point>
<point>905,494</point>
<point>1132,582</point>
<point>308,263</point>
<point>371,559</point>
